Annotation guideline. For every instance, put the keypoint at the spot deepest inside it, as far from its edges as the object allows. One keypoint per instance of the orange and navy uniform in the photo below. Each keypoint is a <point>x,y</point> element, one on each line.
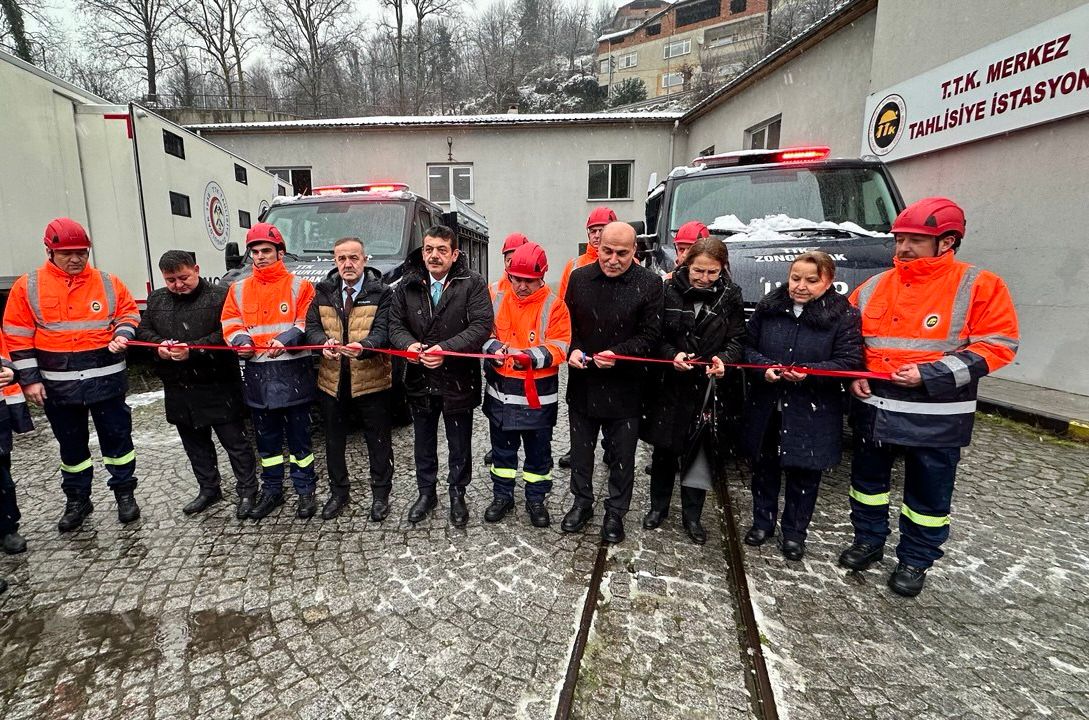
<point>269,305</point>
<point>590,256</point>
<point>957,322</point>
<point>14,415</point>
<point>539,326</point>
<point>58,326</point>
<point>497,290</point>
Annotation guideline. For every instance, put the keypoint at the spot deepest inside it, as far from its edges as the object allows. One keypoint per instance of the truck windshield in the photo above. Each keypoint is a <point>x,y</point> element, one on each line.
<point>857,195</point>
<point>312,228</point>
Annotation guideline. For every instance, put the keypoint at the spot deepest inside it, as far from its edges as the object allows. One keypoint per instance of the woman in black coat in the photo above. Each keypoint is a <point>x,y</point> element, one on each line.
<point>703,320</point>
<point>794,421</point>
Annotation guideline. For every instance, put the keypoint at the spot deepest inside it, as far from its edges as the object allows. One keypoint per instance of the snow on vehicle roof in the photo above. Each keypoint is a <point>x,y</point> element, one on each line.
<point>774,227</point>
<point>446,120</point>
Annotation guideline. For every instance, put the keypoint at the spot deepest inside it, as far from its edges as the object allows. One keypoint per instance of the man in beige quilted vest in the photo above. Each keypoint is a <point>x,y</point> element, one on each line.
<point>350,314</point>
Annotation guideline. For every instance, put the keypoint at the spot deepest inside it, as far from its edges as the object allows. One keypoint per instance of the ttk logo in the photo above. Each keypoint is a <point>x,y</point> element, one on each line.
<point>95,306</point>
<point>887,125</point>
<point>931,321</point>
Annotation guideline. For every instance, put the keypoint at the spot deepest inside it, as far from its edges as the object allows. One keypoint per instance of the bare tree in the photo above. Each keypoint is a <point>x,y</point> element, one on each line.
<point>218,27</point>
<point>423,9</point>
<point>397,7</point>
<point>134,31</point>
<point>309,34</point>
<point>15,29</point>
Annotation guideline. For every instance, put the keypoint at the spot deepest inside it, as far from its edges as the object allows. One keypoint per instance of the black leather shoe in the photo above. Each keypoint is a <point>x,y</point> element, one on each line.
<point>654,518</point>
<point>498,509</point>
<point>379,509</point>
<point>792,549</point>
<point>488,458</point>
<point>422,507</point>
<point>860,556</point>
<point>266,503</point>
<point>459,512</point>
<point>127,509</point>
<point>612,529</point>
<point>307,507</point>
<point>576,519</point>
<point>565,460</point>
<point>648,470</point>
<point>244,507</point>
<point>757,536</point>
<point>201,502</point>
<point>907,580</point>
<point>695,531</point>
<point>538,514</point>
<point>13,543</point>
<point>333,506</point>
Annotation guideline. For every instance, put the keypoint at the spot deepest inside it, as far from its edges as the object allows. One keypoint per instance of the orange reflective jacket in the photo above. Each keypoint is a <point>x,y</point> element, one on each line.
<point>13,409</point>
<point>58,326</point>
<point>955,321</point>
<point>497,290</point>
<point>590,256</point>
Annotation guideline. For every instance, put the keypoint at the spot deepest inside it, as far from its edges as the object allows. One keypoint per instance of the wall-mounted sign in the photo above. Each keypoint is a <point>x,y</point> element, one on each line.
<point>217,221</point>
<point>1036,76</point>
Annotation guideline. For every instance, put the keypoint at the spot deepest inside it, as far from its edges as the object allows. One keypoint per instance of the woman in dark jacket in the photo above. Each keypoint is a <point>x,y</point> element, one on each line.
<point>794,421</point>
<point>703,320</point>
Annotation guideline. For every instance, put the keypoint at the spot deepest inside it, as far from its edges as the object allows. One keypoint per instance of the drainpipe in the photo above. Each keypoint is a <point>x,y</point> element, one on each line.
<point>672,137</point>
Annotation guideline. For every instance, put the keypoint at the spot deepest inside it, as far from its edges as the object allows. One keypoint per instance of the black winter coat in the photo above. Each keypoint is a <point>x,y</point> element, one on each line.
<point>674,399</point>
<point>462,322</point>
<point>828,336</point>
<point>206,389</point>
<point>622,314</point>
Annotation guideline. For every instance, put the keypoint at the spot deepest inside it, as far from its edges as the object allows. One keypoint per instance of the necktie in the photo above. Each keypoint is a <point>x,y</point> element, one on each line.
<point>436,292</point>
<point>348,292</point>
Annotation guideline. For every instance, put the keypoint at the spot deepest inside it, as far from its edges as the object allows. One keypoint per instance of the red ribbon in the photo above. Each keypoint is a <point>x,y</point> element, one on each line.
<point>530,384</point>
<point>852,374</point>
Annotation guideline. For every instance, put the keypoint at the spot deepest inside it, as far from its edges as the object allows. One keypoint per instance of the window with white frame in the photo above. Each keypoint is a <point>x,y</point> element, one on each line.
<point>628,60</point>
<point>603,66</point>
<point>765,135</point>
<point>676,48</point>
<point>670,80</point>
<point>446,181</point>
<point>609,180</point>
<point>299,178</point>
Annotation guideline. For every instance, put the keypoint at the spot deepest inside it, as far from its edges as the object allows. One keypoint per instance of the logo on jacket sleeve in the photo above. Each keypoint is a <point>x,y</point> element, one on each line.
<point>532,335</point>
<point>283,308</point>
<point>95,306</point>
<point>932,321</point>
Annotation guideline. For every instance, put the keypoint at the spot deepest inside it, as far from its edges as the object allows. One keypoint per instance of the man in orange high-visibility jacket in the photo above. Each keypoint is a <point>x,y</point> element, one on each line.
<point>532,325</point>
<point>14,417</point>
<point>938,325</point>
<point>67,326</point>
<point>268,310</point>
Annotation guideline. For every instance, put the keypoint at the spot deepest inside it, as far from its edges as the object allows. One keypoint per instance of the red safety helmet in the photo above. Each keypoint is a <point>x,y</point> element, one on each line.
<point>265,233</point>
<point>529,261</point>
<point>513,242</point>
<point>934,216</point>
<point>66,234</point>
<point>600,216</point>
<point>690,232</point>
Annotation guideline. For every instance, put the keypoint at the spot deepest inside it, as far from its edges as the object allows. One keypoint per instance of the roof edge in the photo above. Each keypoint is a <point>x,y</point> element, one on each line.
<point>385,122</point>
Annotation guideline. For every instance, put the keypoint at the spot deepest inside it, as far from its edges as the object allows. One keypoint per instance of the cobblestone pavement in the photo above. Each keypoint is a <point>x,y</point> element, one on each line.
<point>1002,628</point>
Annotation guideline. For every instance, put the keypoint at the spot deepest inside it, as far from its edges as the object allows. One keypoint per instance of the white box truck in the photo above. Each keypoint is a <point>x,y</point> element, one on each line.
<point>140,184</point>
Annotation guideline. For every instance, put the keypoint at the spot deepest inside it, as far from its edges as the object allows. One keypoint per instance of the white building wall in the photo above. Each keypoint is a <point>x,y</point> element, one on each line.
<point>526,179</point>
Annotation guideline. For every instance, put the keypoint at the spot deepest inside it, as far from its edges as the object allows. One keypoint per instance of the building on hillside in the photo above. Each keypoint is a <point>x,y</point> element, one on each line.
<point>667,44</point>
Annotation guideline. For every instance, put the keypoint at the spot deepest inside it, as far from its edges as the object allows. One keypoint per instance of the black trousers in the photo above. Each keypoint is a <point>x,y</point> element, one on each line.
<point>198,445</point>
<point>9,509</point>
<point>621,436</point>
<point>801,489</point>
<point>663,473</point>
<point>459,441</point>
<point>373,411</point>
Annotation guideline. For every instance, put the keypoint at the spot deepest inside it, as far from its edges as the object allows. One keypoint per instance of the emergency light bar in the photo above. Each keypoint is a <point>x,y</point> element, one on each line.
<point>763,157</point>
<point>362,187</point>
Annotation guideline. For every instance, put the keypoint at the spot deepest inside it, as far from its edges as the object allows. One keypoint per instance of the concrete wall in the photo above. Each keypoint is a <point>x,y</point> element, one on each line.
<point>526,179</point>
<point>821,96</point>
<point>1023,193</point>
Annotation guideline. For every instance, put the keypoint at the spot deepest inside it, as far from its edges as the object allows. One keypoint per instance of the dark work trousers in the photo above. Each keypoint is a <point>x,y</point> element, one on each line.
<point>113,422</point>
<point>801,489</point>
<point>929,475</point>
<point>459,440</point>
<point>9,509</point>
<point>198,445</point>
<point>271,427</point>
<point>663,473</point>
<point>537,469</point>
<point>620,438</point>
<point>373,411</point>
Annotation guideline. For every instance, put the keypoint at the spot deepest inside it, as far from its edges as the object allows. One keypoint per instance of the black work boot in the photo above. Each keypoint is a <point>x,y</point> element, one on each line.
<point>244,507</point>
<point>488,458</point>
<point>334,506</point>
<point>423,506</point>
<point>498,509</point>
<point>459,512</point>
<point>907,580</point>
<point>538,513</point>
<point>266,503</point>
<point>565,460</point>
<point>654,518</point>
<point>695,530</point>
<point>202,501</point>
<point>612,528</point>
<point>379,508</point>
<point>127,509</point>
<point>860,556</point>
<point>13,543</point>
<point>576,518</point>
<point>75,511</point>
<point>307,506</point>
